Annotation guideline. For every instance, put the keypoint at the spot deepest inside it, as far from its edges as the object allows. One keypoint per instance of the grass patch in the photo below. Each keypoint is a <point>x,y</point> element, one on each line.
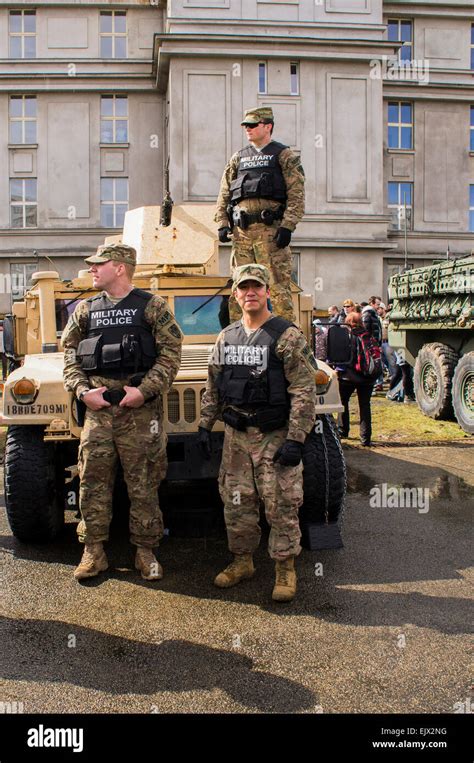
<point>403,423</point>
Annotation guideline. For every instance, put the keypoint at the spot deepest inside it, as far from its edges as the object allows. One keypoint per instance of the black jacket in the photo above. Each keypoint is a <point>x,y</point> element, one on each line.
<point>372,323</point>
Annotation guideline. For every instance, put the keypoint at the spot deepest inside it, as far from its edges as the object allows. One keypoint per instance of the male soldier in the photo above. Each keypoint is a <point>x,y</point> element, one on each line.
<point>261,383</point>
<point>122,350</point>
<point>261,200</point>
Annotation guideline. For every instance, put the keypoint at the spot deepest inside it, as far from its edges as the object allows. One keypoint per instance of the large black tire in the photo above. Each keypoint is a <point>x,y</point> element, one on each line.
<point>34,485</point>
<point>324,474</point>
<point>463,393</point>
<point>434,369</point>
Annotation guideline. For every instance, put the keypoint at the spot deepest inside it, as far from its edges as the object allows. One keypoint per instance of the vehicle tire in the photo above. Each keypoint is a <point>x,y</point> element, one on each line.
<point>324,474</point>
<point>433,377</point>
<point>34,485</point>
<point>463,393</point>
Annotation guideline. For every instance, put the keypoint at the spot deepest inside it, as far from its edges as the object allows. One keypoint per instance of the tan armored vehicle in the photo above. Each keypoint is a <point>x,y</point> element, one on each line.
<point>180,262</point>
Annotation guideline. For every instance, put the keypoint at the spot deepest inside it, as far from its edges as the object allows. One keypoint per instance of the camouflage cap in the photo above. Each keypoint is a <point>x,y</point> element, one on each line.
<point>251,273</point>
<point>117,252</point>
<point>254,116</point>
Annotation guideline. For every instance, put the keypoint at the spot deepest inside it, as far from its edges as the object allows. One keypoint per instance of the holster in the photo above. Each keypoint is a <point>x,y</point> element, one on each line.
<point>265,419</point>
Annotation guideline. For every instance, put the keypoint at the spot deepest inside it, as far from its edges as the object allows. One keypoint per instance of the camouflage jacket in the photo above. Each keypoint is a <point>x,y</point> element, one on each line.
<point>159,378</point>
<point>293,174</point>
<point>299,367</point>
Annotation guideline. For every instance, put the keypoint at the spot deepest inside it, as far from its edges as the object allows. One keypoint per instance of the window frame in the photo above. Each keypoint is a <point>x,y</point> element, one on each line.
<point>23,203</point>
<point>113,34</point>
<point>297,75</point>
<point>22,119</point>
<point>471,208</point>
<point>114,202</point>
<point>471,129</point>
<point>400,204</point>
<point>265,72</point>
<point>22,12</point>
<point>400,125</point>
<point>113,118</point>
<point>410,47</point>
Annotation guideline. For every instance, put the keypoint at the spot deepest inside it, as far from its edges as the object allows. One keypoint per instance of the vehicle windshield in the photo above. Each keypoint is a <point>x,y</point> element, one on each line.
<point>210,319</point>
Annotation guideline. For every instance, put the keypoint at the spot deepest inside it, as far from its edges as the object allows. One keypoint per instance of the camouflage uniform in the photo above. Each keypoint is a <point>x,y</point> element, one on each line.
<point>135,436</point>
<point>248,473</point>
<point>256,244</point>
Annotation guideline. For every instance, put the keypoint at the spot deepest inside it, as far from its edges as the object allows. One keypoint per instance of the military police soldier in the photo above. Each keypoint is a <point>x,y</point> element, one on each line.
<point>261,200</point>
<point>261,383</point>
<point>122,350</point>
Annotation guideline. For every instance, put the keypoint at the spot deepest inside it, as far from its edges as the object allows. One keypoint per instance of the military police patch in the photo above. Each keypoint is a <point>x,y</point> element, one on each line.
<point>164,318</point>
<point>309,357</point>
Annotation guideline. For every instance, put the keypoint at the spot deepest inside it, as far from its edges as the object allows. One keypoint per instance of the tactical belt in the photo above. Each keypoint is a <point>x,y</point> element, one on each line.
<point>243,219</point>
<point>267,420</point>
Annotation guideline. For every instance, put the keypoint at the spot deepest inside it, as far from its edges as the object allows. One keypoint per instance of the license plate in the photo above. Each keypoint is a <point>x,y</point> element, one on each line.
<point>35,409</point>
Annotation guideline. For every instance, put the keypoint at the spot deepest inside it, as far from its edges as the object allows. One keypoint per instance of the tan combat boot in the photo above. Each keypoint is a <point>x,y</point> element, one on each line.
<point>285,580</point>
<point>93,561</point>
<point>241,568</point>
<point>147,564</point>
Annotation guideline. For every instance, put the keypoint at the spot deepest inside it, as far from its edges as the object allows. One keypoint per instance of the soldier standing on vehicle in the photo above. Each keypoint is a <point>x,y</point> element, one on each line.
<point>122,350</point>
<point>261,383</point>
<point>261,201</point>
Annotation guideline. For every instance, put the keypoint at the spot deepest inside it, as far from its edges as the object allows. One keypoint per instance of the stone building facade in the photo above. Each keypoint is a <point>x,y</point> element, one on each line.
<point>96,98</point>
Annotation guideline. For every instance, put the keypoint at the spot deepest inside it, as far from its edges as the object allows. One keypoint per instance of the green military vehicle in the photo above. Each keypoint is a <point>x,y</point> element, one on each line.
<point>431,322</point>
<point>179,262</point>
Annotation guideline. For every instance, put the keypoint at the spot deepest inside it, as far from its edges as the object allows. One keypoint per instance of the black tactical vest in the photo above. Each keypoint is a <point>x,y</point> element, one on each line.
<point>252,374</point>
<point>119,341</point>
<point>259,175</point>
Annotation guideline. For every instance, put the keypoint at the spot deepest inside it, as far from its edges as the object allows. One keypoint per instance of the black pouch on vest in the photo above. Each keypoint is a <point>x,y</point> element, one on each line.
<point>88,352</point>
<point>234,420</point>
<point>235,188</point>
<point>270,419</point>
<point>131,352</point>
<point>111,356</point>
<point>266,185</point>
<point>257,389</point>
<point>251,189</point>
<point>148,350</point>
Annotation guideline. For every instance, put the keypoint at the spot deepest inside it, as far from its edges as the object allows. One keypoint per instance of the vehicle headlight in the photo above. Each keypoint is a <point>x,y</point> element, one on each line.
<point>323,380</point>
<point>24,391</point>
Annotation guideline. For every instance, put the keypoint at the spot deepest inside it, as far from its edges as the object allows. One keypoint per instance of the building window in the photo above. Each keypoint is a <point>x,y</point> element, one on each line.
<point>471,208</point>
<point>22,119</point>
<point>262,78</point>
<point>113,201</point>
<point>113,119</point>
<point>294,79</point>
<point>472,46</point>
<point>401,30</point>
<point>400,124</point>
<point>22,33</point>
<point>471,142</point>
<point>23,203</point>
<point>400,196</point>
<point>20,277</point>
<point>295,268</point>
<point>113,34</point>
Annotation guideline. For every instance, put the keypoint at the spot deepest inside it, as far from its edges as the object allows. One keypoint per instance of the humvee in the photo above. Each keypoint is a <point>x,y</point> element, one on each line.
<point>179,262</point>
<point>432,322</point>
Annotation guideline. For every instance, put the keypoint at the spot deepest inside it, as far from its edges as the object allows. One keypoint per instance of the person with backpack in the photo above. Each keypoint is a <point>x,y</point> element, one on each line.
<point>358,374</point>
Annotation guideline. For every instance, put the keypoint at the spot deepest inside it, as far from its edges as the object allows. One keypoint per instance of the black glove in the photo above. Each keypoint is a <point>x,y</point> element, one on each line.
<point>289,454</point>
<point>223,234</point>
<point>204,442</point>
<point>282,237</point>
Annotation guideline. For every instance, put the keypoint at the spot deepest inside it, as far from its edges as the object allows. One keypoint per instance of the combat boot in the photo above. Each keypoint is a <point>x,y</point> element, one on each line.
<point>285,580</point>
<point>147,564</point>
<point>93,561</point>
<point>241,568</point>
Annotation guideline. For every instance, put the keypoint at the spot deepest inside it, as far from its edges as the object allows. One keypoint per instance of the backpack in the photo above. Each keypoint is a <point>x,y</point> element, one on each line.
<point>368,356</point>
<point>340,347</point>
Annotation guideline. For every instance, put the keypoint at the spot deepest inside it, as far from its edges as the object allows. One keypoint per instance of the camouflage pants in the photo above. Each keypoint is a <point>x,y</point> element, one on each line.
<point>134,436</point>
<point>256,245</point>
<point>248,475</point>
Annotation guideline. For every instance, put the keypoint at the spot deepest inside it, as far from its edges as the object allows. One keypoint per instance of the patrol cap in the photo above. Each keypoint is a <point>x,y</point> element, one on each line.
<point>261,114</point>
<point>257,273</point>
<point>117,252</point>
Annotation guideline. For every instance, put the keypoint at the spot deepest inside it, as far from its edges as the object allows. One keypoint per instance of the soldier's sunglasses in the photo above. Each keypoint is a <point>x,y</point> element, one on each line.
<point>251,125</point>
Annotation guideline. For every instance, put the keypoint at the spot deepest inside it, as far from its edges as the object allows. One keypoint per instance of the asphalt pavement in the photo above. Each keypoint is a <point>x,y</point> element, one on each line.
<point>380,626</point>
